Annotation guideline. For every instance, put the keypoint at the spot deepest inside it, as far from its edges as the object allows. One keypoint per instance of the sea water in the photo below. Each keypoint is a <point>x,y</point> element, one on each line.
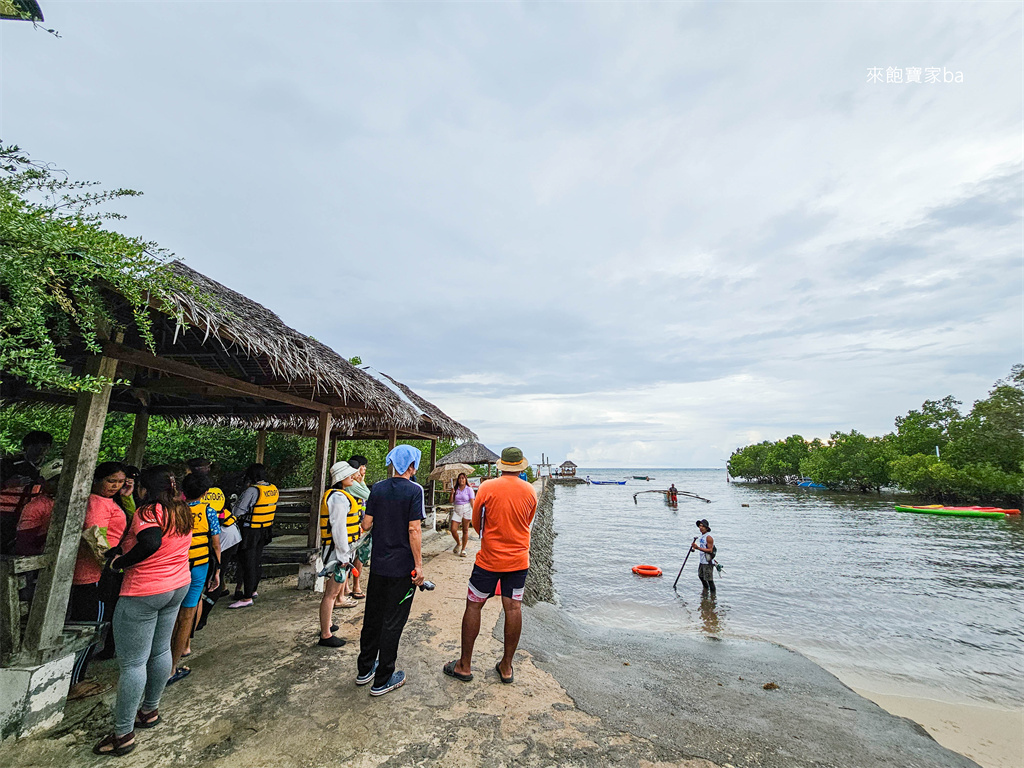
<point>900,603</point>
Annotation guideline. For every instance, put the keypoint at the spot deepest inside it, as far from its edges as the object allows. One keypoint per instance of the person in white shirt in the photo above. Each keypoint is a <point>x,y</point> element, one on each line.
<point>335,508</point>
<point>705,544</point>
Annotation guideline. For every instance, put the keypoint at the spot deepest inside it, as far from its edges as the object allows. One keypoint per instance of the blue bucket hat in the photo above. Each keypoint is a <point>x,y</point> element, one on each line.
<point>401,456</point>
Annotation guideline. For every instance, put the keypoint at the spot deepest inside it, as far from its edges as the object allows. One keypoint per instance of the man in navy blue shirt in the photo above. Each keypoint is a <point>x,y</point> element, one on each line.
<point>394,511</point>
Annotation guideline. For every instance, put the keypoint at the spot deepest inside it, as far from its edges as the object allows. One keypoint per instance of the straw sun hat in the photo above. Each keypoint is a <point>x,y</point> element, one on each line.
<point>512,460</point>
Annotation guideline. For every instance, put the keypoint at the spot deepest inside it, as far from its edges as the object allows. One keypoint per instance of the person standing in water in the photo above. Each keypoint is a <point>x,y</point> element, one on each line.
<point>705,544</point>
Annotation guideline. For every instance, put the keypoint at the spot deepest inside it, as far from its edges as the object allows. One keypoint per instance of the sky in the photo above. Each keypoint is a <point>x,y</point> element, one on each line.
<point>627,234</point>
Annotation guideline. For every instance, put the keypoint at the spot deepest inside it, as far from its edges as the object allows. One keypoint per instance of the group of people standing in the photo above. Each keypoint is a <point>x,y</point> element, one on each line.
<point>153,549</point>
<point>501,512</point>
<point>150,562</point>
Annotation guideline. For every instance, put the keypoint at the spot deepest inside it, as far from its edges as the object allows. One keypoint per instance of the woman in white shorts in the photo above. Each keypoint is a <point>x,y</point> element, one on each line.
<point>462,515</point>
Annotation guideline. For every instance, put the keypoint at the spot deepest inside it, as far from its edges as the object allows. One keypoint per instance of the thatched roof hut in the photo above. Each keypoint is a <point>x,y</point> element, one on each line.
<point>567,465</point>
<point>470,453</point>
<point>236,363</point>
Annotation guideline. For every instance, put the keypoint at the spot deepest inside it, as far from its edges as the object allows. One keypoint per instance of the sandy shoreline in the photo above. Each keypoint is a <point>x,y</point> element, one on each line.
<point>991,736</point>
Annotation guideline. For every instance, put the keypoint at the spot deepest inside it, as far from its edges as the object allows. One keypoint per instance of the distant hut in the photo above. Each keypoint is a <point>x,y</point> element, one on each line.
<point>471,453</point>
<point>567,469</point>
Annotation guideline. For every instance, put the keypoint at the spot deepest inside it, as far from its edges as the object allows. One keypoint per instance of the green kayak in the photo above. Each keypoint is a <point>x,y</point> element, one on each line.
<point>954,511</point>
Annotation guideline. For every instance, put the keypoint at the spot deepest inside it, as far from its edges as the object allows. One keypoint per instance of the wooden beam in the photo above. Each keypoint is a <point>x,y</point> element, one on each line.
<point>323,436</point>
<point>137,449</point>
<point>261,445</point>
<point>392,442</point>
<point>50,602</point>
<point>185,371</point>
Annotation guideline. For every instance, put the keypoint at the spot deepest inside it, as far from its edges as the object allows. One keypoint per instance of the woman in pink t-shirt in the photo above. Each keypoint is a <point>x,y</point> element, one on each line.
<point>156,578</point>
<point>462,512</point>
<point>101,513</point>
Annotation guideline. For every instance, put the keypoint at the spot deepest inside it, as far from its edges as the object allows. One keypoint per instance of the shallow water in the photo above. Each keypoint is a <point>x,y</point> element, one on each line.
<point>919,604</point>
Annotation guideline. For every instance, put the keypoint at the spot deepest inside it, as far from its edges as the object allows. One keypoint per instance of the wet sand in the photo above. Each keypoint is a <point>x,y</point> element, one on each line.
<point>991,736</point>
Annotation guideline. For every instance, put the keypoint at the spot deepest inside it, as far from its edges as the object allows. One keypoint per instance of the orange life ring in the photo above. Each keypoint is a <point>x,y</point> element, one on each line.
<point>647,570</point>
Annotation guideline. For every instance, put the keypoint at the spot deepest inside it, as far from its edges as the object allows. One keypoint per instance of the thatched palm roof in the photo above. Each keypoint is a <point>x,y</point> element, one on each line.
<point>236,321</point>
<point>239,321</point>
<point>470,453</point>
<point>232,338</point>
<point>567,464</point>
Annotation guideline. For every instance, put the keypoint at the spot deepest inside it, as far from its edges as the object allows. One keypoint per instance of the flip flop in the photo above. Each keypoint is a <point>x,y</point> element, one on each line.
<point>358,596</point>
<point>506,680</point>
<point>179,674</point>
<point>449,669</point>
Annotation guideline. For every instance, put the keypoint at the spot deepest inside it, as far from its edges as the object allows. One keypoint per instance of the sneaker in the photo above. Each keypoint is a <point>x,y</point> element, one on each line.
<point>241,604</point>
<point>397,681</point>
<point>332,642</point>
<point>364,679</point>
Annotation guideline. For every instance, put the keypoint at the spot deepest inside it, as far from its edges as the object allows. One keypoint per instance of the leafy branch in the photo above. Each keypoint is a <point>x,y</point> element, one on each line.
<point>63,275</point>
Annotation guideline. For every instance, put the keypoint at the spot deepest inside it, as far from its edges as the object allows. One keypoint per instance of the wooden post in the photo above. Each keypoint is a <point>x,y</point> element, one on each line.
<point>50,602</point>
<point>10,611</point>
<point>308,578</point>
<point>334,451</point>
<point>261,445</point>
<point>137,450</point>
<point>392,442</point>
<point>323,437</point>
<point>432,486</point>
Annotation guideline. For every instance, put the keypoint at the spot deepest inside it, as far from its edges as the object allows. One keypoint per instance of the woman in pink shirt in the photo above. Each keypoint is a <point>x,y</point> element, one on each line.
<point>104,517</point>
<point>462,512</point>
<point>156,578</point>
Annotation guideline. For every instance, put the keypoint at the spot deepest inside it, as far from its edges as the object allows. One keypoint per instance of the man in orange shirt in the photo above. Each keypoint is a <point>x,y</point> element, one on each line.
<point>502,514</point>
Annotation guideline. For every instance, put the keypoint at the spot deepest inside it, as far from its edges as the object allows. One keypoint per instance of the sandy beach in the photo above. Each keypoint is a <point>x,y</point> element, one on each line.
<point>993,737</point>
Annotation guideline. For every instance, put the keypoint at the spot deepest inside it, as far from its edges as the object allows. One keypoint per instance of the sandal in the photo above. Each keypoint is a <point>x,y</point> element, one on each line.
<point>358,596</point>
<point>506,680</point>
<point>179,674</point>
<point>147,719</point>
<point>449,669</point>
<point>115,745</point>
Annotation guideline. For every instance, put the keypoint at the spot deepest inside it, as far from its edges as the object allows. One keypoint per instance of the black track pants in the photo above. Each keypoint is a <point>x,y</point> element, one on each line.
<point>388,602</point>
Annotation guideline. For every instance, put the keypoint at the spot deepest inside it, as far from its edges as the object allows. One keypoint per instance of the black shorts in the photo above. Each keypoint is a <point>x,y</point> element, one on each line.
<point>483,584</point>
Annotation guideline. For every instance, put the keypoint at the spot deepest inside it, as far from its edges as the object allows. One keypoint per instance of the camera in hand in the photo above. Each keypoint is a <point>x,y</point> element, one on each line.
<point>428,586</point>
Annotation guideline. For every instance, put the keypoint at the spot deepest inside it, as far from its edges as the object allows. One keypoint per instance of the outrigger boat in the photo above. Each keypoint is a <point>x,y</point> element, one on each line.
<point>607,482</point>
<point>642,477</point>
<point>938,509</point>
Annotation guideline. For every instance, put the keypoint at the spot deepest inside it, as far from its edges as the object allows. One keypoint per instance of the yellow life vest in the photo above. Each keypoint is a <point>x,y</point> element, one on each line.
<point>355,507</point>
<point>199,550</point>
<point>266,506</point>
<point>216,501</point>
<point>354,518</point>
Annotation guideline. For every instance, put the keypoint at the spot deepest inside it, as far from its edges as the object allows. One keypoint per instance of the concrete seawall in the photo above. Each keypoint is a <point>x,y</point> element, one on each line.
<point>539,583</point>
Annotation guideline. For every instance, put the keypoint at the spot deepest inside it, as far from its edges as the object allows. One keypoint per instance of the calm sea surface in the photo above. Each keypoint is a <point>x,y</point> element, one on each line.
<point>893,602</point>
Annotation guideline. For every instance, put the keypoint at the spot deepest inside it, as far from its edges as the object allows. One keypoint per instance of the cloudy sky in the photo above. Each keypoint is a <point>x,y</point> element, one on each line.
<point>626,234</point>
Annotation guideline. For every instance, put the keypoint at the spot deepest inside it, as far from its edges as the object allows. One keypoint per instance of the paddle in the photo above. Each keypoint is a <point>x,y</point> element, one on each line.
<point>684,563</point>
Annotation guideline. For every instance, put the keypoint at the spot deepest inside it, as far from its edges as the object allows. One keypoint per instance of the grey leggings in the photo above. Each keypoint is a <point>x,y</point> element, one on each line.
<point>142,632</point>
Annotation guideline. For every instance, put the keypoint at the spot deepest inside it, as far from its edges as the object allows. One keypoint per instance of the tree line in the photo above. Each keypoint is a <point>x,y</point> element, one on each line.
<point>936,451</point>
